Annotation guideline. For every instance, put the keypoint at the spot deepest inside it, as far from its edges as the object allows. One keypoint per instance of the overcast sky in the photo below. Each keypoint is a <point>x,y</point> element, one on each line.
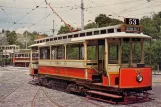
<point>20,11</point>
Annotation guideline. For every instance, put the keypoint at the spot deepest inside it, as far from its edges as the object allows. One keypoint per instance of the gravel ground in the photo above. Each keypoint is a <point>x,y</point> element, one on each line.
<point>15,91</point>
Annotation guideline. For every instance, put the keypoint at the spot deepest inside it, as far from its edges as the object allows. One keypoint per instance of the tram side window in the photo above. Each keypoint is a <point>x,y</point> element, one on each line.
<point>91,52</point>
<point>45,53</point>
<point>60,54</point>
<point>75,52</point>
<point>54,52</point>
<point>113,54</point>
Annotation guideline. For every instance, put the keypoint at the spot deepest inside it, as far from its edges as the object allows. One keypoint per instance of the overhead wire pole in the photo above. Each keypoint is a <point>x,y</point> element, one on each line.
<point>53,28</point>
<point>82,15</point>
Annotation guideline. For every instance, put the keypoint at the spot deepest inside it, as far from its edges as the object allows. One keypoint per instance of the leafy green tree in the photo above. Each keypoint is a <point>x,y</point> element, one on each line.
<point>102,20</point>
<point>63,30</point>
<point>11,37</point>
<point>91,25</point>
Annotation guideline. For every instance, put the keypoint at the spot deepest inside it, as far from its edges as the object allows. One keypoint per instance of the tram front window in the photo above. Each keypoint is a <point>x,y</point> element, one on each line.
<point>131,52</point>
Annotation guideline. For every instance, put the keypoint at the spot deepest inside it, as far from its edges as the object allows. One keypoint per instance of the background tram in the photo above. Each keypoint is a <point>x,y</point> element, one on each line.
<point>106,62</point>
<point>22,57</point>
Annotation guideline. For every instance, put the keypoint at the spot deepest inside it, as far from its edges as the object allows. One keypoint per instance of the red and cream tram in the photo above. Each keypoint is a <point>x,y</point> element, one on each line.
<point>105,63</point>
<point>22,57</point>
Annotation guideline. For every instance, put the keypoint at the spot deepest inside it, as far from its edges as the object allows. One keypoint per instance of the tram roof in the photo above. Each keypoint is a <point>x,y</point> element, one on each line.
<point>113,35</point>
<point>81,39</point>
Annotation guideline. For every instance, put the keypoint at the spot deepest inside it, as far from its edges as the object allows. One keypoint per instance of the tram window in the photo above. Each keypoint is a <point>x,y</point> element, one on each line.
<point>59,38</point>
<point>125,52</point>
<point>36,55</point>
<point>41,41</point>
<point>118,30</point>
<point>91,52</point>
<point>55,38</point>
<point>75,52</point>
<point>51,39</point>
<point>89,33</point>
<point>136,52</point>
<point>82,34</point>
<point>70,36</point>
<point>64,37</point>
<point>60,54</point>
<point>37,41</point>
<point>76,35</point>
<point>47,40</point>
<point>110,30</point>
<point>54,52</point>
<point>96,32</point>
<point>45,53</point>
<point>113,54</point>
<point>103,31</point>
<point>33,55</point>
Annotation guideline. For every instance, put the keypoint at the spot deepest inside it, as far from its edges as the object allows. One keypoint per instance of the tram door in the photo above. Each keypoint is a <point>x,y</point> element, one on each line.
<point>101,55</point>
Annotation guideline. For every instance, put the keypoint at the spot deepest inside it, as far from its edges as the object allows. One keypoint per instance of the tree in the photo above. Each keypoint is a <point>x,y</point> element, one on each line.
<point>11,37</point>
<point>91,25</point>
<point>63,30</point>
<point>149,27</point>
<point>102,20</point>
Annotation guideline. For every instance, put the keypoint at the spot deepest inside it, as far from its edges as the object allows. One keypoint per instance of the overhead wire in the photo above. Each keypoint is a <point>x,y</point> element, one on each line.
<point>142,8</point>
<point>34,2</point>
<point>29,12</point>
<point>107,9</point>
<point>45,18</point>
<point>113,4</point>
<point>132,7</point>
<point>7,15</point>
<point>38,21</point>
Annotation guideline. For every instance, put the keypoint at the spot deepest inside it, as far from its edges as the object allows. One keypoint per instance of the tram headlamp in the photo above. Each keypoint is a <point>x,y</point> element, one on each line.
<point>139,78</point>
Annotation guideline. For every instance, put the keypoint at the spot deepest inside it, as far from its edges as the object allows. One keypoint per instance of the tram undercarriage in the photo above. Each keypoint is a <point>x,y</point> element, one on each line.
<point>112,95</point>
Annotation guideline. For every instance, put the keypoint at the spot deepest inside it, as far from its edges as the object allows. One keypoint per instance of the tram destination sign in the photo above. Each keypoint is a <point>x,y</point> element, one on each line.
<point>131,28</point>
<point>131,21</point>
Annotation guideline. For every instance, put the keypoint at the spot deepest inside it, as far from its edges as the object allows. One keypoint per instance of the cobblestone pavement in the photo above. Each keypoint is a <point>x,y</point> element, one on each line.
<point>15,91</point>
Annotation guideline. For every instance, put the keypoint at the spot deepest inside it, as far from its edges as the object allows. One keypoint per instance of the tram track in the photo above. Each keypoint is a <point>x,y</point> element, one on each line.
<point>3,98</point>
<point>47,96</point>
<point>87,100</point>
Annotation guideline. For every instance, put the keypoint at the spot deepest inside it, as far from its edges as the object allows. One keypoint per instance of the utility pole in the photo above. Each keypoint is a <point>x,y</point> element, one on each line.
<point>26,39</point>
<point>53,28</point>
<point>82,15</point>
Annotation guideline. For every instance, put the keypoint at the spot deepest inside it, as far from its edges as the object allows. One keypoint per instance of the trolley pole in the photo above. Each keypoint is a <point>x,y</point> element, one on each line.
<point>82,15</point>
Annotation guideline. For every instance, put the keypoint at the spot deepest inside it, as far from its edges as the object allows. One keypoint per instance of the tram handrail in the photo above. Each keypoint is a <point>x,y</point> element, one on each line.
<point>96,70</point>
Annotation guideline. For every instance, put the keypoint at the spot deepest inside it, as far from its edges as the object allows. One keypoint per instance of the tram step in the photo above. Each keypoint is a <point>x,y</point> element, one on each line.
<point>104,94</point>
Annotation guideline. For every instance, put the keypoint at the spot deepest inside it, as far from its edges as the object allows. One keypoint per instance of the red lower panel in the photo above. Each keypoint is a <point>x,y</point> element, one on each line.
<point>90,73</point>
<point>113,78</point>
<point>62,71</point>
<point>105,80</point>
<point>128,77</point>
<point>21,64</point>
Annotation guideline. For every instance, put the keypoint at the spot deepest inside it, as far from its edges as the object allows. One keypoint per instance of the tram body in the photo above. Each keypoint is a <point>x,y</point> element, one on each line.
<point>105,61</point>
<point>21,57</point>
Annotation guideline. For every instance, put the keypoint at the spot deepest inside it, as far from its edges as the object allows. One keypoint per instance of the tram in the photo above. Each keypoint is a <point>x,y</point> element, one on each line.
<point>106,64</point>
<point>21,57</point>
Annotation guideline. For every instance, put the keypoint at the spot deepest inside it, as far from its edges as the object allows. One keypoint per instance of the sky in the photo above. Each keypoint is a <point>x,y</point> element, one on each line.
<point>35,15</point>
